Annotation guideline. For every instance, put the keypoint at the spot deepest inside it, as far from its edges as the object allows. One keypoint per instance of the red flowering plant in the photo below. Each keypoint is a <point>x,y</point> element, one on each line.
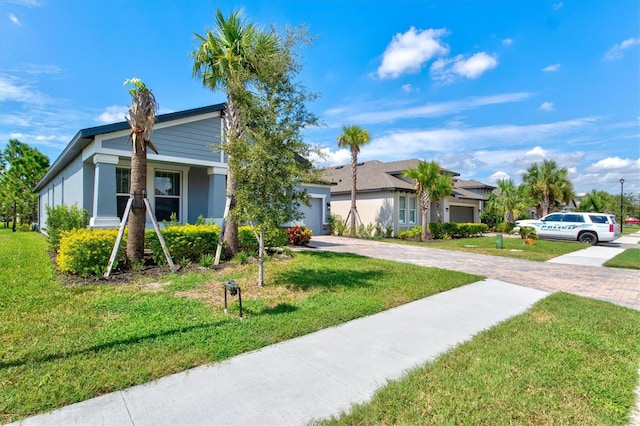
<point>299,235</point>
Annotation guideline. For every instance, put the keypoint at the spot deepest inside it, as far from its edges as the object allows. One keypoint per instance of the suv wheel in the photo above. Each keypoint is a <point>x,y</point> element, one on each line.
<point>588,238</point>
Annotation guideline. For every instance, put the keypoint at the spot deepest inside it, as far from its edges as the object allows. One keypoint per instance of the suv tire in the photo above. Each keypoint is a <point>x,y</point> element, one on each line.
<point>588,238</point>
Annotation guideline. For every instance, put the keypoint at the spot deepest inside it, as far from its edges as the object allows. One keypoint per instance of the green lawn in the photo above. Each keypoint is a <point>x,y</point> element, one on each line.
<point>61,344</point>
<point>629,259</point>
<point>542,251</point>
<point>569,360</point>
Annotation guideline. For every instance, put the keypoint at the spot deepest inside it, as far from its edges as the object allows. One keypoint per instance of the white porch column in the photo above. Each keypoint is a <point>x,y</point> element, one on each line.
<point>105,210</point>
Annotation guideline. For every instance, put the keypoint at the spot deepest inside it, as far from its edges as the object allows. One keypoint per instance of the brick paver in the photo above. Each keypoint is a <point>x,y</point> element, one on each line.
<point>620,286</point>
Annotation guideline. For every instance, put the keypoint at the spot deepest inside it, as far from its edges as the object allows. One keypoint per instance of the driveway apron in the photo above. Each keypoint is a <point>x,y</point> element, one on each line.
<point>619,286</point>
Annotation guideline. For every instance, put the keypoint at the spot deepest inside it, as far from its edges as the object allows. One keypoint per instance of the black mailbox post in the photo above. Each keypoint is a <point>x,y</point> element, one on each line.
<point>233,289</point>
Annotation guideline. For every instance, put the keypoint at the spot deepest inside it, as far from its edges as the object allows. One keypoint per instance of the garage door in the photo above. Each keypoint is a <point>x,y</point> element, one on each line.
<point>313,216</point>
<point>461,214</point>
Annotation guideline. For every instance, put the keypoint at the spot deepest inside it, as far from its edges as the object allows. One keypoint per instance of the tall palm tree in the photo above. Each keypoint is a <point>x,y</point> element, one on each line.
<point>510,201</point>
<point>548,184</point>
<point>142,117</point>
<point>442,188</point>
<point>429,184</point>
<point>353,137</point>
<point>228,59</point>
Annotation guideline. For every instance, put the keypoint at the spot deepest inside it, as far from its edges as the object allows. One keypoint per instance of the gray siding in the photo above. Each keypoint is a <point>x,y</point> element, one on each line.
<point>198,193</point>
<point>191,140</point>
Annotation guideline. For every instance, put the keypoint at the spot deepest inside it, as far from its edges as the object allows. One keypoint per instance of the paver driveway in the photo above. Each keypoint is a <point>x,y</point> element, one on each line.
<point>620,286</point>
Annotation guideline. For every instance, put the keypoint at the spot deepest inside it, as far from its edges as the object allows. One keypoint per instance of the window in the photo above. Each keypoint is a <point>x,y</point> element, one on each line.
<point>573,218</point>
<point>123,183</point>
<point>167,190</point>
<point>553,218</point>
<point>598,219</point>
<point>402,209</point>
<point>412,209</point>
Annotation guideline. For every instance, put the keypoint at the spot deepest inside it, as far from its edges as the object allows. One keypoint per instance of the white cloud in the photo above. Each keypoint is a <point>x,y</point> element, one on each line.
<point>408,88</point>
<point>614,163</point>
<point>546,106</point>
<point>446,70</point>
<point>431,109</point>
<point>507,42</point>
<point>12,91</point>
<point>327,158</point>
<point>557,6</point>
<point>499,175</point>
<point>408,52</point>
<point>536,152</point>
<point>112,114</point>
<point>616,52</point>
<point>13,18</point>
<point>551,68</point>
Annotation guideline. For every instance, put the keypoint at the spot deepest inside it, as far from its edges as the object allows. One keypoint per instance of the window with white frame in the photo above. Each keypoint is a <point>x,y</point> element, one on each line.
<point>412,209</point>
<point>123,183</point>
<point>402,209</point>
<point>167,194</point>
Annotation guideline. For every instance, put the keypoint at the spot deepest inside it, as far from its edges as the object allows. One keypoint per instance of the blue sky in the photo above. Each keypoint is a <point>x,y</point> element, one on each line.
<point>484,88</point>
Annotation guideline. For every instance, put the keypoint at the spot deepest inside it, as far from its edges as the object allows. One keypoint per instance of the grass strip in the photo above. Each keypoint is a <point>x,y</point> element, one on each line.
<point>569,360</point>
<point>62,344</point>
<point>629,259</point>
<point>541,251</point>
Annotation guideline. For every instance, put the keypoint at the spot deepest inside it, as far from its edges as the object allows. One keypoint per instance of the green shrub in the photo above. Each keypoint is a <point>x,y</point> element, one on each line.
<point>87,251</point>
<point>63,218</point>
<point>248,243</point>
<point>504,227</point>
<point>458,230</point>
<point>184,242</point>
<point>339,227</point>
<point>299,235</point>
<point>412,234</point>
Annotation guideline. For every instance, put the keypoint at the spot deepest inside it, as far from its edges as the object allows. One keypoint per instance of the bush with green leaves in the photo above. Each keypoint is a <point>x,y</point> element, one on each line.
<point>248,243</point>
<point>184,242</point>
<point>63,218</point>
<point>86,251</point>
<point>411,234</point>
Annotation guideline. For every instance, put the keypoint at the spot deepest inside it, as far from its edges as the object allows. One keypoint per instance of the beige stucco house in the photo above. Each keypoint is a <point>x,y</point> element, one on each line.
<point>387,198</point>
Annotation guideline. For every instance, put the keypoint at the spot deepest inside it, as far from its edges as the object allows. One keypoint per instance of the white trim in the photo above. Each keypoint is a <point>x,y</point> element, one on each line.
<point>104,222</point>
<point>105,159</point>
<point>217,170</point>
<point>165,158</point>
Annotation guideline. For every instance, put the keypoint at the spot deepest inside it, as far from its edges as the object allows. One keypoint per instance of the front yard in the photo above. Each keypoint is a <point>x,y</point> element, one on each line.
<point>569,360</point>
<point>63,343</point>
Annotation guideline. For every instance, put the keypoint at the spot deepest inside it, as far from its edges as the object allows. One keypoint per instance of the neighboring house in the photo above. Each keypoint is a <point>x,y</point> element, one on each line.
<point>187,178</point>
<point>387,198</point>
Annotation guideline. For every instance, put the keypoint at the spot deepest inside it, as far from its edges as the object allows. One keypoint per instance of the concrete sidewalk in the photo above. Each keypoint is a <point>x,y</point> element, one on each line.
<point>598,255</point>
<point>313,376</point>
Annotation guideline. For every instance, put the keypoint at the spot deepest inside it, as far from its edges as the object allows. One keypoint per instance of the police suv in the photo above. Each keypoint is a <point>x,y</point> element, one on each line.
<point>588,228</point>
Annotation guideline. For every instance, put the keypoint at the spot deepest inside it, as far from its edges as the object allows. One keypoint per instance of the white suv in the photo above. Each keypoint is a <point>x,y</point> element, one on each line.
<point>588,228</point>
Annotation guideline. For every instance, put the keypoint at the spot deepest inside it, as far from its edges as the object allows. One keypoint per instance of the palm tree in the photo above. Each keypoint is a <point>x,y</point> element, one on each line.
<point>548,185</point>
<point>228,59</point>
<point>595,201</point>
<point>442,188</point>
<point>353,137</point>
<point>142,116</point>
<point>430,185</point>
<point>510,200</point>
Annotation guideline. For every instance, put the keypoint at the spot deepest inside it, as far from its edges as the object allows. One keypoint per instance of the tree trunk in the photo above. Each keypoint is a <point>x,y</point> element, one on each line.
<point>15,216</point>
<point>261,258</point>
<point>231,228</point>
<point>545,205</point>
<point>137,216</point>
<point>354,174</point>
<point>425,204</point>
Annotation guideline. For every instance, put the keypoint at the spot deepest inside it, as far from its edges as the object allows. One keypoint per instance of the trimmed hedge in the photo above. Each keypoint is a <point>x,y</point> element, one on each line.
<point>456,230</point>
<point>248,243</point>
<point>183,241</point>
<point>412,234</point>
<point>86,251</point>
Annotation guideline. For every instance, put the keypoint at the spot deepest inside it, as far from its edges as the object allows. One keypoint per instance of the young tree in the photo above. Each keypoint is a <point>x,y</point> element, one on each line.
<point>548,185</point>
<point>430,185</point>
<point>228,59</point>
<point>269,159</point>
<point>596,201</point>
<point>142,116</point>
<point>353,137</point>
<point>21,168</point>
<point>510,201</point>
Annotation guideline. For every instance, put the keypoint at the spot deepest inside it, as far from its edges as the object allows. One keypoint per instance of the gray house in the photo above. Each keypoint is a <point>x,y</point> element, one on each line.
<point>187,178</point>
<point>386,198</point>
